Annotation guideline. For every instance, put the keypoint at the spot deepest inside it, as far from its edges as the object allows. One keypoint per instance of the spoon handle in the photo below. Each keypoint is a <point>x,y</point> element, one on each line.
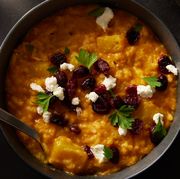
<point>16,123</point>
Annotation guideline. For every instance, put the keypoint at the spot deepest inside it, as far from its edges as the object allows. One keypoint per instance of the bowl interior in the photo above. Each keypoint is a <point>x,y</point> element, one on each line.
<point>43,10</point>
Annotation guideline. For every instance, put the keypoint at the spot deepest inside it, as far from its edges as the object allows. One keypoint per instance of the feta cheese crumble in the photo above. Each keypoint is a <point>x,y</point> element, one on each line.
<point>36,87</point>
<point>98,152</point>
<point>46,116</point>
<point>40,110</point>
<point>59,92</point>
<point>51,83</point>
<point>67,66</point>
<point>172,69</point>
<point>158,116</point>
<point>105,18</point>
<point>92,96</point>
<point>109,82</point>
<point>145,91</point>
<point>121,131</point>
<point>75,101</point>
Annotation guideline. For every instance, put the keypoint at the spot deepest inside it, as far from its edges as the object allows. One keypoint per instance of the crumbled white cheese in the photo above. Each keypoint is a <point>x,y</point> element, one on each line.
<point>122,131</point>
<point>157,117</point>
<point>78,111</point>
<point>92,96</point>
<point>172,69</point>
<point>105,18</point>
<point>59,92</point>
<point>36,87</point>
<point>75,101</point>
<point>39,110</point>
<point>98,152</point>
<point>109,82</point>
<point>67,66</point>
<point>46,116</point>
<point>145,91</point>
<point>51,83</point>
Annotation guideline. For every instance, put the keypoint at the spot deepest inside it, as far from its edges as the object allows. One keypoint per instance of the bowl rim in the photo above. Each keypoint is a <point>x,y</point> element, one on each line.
<point>144,163</point>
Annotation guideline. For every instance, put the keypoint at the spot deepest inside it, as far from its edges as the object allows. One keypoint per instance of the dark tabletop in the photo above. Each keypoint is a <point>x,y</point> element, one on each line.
<point>12,167</point>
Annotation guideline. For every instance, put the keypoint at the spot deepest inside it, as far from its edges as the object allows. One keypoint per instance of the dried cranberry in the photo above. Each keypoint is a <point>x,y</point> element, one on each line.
<point>164,82</point>
<point>106,95</point>
<point>163,62</point>
<point>136,126</point>
<point>59,120</point>
<point>71,88</point>
<point>87,149</point>
<point>116,102</point>
<point>101,66</point>
<point>88,83</point>
<point>132,36</point>
<point>115,156</point>
<point>100,89</point>
<point>66,100</point>
<point>101,106</point>
<point>131,90</point>
<point>80,72</point>
<point>58,59</point>
<point>53,100</point>
<point>61,78</point>
<point>75,128</point>
<point>132,101</point>
<point>132,97</point>
<point>103,103</point>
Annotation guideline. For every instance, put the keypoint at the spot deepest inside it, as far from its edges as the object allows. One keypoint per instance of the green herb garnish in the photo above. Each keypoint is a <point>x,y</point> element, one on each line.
<point>66,50</point>
<point>52,69</point>
<point>159,132</point>
<point>152,81</point>
<point>108,152</point>
<point>97,12</point>
<point>122,117</point>
<point>138,27</point>
<point>43,100</point>
<point>87,59</point>
<point>29,47</point>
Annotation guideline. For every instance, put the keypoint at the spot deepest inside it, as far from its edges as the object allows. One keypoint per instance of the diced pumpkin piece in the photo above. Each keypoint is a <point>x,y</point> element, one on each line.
<point>67,155</point>
<point>110,44</point>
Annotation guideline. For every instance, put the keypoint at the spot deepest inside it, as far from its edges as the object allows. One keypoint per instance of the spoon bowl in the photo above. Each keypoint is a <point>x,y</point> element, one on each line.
<point>19,125</point>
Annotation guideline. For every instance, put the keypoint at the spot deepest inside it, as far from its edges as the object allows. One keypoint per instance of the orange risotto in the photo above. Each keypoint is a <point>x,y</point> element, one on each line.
<point>98,86</point>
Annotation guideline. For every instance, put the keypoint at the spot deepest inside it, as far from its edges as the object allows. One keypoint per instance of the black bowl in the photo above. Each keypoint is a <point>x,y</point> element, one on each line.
<point>45,9</point>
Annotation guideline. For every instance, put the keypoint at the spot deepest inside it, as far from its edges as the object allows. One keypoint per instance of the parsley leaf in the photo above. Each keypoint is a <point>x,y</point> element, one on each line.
<point>108,152</point>
<point>53,69</point>
<point>152,81</point>
<point>122,117</point>
<point>66,50</point>
<point>159,132</point>
<point>97,12</point>
<point>43,100</point>
<point>87,59</point>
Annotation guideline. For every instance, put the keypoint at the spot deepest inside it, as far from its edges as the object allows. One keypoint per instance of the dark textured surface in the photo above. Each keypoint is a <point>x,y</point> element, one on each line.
<point>13,167</point>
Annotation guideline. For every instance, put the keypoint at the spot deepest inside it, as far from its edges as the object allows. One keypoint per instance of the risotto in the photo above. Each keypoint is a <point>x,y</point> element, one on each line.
<point>98,86</point>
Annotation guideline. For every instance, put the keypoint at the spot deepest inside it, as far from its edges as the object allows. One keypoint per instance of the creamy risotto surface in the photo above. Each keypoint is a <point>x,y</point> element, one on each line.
<point>98,86</point>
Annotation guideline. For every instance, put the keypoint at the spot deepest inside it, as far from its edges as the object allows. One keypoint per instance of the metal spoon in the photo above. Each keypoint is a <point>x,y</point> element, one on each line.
<point>16,123</point>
